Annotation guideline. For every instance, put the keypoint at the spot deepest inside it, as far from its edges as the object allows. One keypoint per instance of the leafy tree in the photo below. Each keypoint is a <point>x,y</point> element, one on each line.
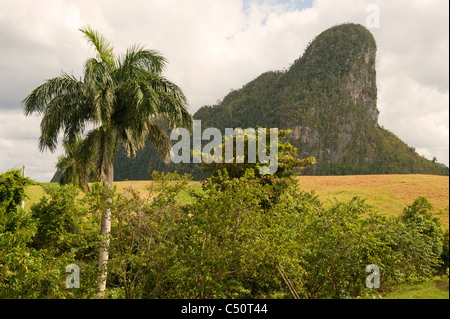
<point>12,189</point>
<point>337,246</point>
<point>143,235</point>
<point>428,236</point>
<point>288,163</point>
<point>445,252</point>
<point>124,99</point>
<point>16,225</point>
<point>180,241</point>
<point>63,223</point>
<point>37,245</point>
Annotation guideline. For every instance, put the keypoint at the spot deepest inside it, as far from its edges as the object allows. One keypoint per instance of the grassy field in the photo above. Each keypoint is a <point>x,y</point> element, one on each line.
<point>434,288</point>
<point>389,194</point>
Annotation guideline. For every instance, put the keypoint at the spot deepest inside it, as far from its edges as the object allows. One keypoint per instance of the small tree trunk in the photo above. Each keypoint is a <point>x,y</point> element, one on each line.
<point>22,205</point>
<point>105,231</point>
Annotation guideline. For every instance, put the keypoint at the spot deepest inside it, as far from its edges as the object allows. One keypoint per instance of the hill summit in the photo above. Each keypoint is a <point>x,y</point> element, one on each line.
<point>328,98</point>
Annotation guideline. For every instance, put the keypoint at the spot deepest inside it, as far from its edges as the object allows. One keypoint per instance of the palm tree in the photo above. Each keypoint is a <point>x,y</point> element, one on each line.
<point>119,100</point>
<point>69,164</point>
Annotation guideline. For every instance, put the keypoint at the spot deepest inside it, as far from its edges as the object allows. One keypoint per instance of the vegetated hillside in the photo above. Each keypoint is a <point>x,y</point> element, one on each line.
<point>328,98</point>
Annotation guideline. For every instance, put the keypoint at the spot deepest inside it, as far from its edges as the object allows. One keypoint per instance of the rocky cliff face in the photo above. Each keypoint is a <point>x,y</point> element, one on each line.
<point>338,77</point>
<point>361,83</point>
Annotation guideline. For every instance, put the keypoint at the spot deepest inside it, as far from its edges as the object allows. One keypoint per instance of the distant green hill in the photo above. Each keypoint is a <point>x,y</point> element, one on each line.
<point>328,98</point>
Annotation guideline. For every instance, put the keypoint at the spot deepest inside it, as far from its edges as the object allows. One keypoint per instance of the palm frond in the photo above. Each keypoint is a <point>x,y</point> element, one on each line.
<point>72,171</point>
<point>160,140</point>
<point>63,105</point>
<point>39,98</point>
<point>171,102</point>
<point>98,148</point>
<point>99,85</point>
<point>97,74</point>
<point>137,59</point>
<point>104,48</point>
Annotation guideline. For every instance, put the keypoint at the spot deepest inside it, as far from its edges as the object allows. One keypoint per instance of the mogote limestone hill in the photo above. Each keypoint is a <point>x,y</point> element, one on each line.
<point>327,97</point>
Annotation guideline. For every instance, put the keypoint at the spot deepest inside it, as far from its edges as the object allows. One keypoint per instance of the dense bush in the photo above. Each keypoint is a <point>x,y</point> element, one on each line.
<point>36,246</point>
<point>223,244</point>
<point>60,224</point>
<point>179,241</point>
<point>445,253</point>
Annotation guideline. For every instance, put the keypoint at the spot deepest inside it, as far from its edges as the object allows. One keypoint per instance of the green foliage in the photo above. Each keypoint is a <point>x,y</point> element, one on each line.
<point>36,246</point>
<point>277,182</point>
<point>219,246</point>
<point>12,189</point>
<point>445,253</point>
<point>16,225</point>
<point>225,244</point>
<point>141,235</point>
<point>222,242</point>
<point>219,249</point>
<point>61,222</point>
<point>286,158</point>
<point>73,171</point>
<point>338,245</point>
<point>427,235</point>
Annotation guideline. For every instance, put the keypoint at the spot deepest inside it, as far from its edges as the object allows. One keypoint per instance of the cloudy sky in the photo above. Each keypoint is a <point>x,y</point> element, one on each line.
<point>214,46</point>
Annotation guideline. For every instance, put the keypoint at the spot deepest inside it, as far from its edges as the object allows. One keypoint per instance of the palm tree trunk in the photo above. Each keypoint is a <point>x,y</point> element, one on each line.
<point>105,231</point>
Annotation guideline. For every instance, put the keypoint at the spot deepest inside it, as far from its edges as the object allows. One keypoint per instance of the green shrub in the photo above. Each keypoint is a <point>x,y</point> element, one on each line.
<point>237,237</point>
<point>59,218</point>
<point>37,246</point>
<point>424,238</point>
<point>445,252</point>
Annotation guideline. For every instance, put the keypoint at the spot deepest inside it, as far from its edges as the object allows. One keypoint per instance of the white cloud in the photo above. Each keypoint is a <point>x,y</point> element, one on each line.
<point>19,146</point>
<point>214,46</point>
<point>418,114</point>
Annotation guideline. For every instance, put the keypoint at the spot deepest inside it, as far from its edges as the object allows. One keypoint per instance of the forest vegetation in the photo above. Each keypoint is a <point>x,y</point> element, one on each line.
<point>238,233</point>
